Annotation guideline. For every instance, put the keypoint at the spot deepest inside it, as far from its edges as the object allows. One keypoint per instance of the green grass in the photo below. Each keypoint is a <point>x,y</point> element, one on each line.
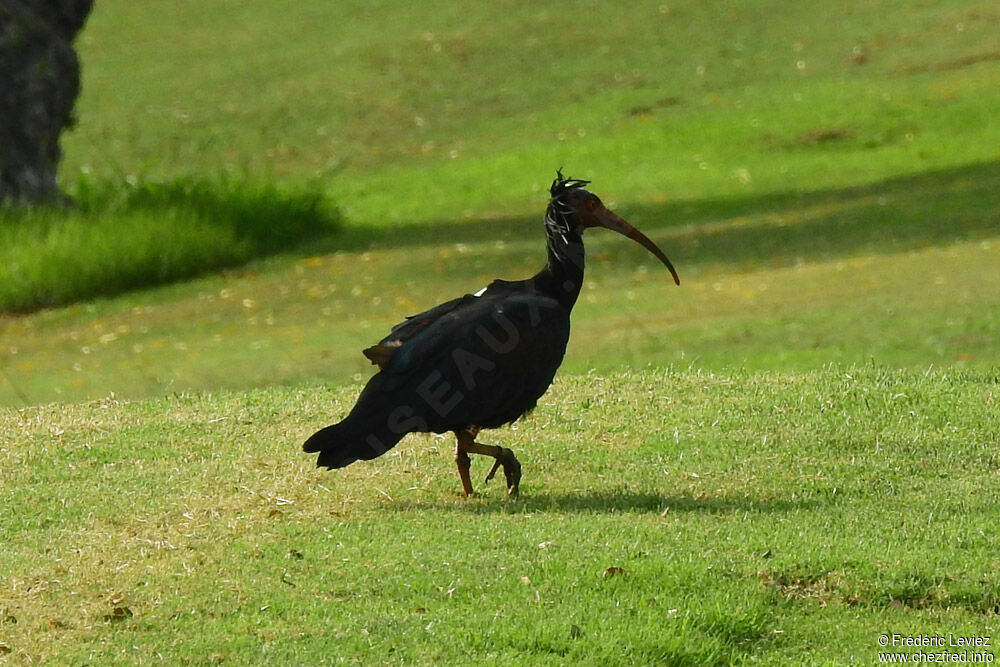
<point>790,454</point>
<point>778,518</point>
<point>437,112</point>
<point>781,282</point>
<point>129,235</point>
<point>442,115</point>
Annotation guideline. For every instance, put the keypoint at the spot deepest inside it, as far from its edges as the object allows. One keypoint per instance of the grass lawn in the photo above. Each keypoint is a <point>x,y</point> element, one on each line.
<point>789,455</point>
<point>666,516</point>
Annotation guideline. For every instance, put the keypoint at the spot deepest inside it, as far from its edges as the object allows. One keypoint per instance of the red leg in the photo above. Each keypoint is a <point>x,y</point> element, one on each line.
<point>501,455</point>
<point>464,439</point>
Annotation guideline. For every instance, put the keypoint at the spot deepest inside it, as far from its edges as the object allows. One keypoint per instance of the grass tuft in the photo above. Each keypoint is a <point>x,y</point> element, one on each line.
<point>124,235</point>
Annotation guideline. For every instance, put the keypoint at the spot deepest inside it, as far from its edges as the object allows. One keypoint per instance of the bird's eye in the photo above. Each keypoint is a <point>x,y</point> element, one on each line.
<point>591,203</point>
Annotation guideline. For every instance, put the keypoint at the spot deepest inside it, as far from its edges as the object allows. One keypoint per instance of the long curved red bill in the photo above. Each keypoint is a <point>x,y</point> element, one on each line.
<point>610,220</point>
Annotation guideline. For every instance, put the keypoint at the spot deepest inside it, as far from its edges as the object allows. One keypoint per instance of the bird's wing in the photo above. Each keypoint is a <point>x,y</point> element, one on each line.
<point>460,322</point>
<point>414,323</point>
<point>485,363</point>
<point>443,327</point>
<point>381,353</point>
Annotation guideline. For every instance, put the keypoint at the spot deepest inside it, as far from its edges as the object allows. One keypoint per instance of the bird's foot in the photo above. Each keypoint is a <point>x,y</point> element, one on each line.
<point>511,470</point>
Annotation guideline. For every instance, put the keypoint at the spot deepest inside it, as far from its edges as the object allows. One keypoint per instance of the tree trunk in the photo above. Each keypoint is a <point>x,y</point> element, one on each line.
<point>39,82</point>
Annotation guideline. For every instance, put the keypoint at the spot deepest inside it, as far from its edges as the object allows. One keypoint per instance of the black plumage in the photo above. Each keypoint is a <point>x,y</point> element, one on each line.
<point>482,360</point>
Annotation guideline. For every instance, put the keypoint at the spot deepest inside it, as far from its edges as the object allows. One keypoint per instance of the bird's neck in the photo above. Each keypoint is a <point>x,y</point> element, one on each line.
<point>562,276</point>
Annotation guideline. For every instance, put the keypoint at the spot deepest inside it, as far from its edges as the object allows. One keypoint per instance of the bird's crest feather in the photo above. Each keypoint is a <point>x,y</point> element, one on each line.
<point>562,185</point>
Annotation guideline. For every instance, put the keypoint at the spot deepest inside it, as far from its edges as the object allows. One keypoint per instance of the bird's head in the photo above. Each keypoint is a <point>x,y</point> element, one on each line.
<point>572,204</point>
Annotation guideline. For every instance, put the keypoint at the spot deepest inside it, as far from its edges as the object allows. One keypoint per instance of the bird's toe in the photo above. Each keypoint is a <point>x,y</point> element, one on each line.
<point>512,471</point>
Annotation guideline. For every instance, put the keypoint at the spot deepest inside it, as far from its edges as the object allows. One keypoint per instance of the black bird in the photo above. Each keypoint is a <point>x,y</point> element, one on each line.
<point>479,361</point>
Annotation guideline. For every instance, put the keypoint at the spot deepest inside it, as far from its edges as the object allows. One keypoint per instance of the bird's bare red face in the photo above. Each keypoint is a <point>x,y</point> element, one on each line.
<point>593,213</point>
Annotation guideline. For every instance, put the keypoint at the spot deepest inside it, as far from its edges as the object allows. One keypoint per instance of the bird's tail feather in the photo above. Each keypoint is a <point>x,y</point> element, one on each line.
<point>342,444</point>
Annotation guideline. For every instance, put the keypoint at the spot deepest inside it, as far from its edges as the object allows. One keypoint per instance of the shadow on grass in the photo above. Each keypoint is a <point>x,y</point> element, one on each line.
<point>907,212</point>
<point>629,501</point>
<point>129,236</point>
<point>619,501</point>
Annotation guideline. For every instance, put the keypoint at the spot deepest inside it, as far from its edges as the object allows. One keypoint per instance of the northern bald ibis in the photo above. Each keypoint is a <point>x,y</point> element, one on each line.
<point>481,360</point>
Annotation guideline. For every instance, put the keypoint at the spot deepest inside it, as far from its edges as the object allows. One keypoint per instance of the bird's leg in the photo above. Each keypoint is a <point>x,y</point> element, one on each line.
<point>502,457</point>
<point>464,439</point>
